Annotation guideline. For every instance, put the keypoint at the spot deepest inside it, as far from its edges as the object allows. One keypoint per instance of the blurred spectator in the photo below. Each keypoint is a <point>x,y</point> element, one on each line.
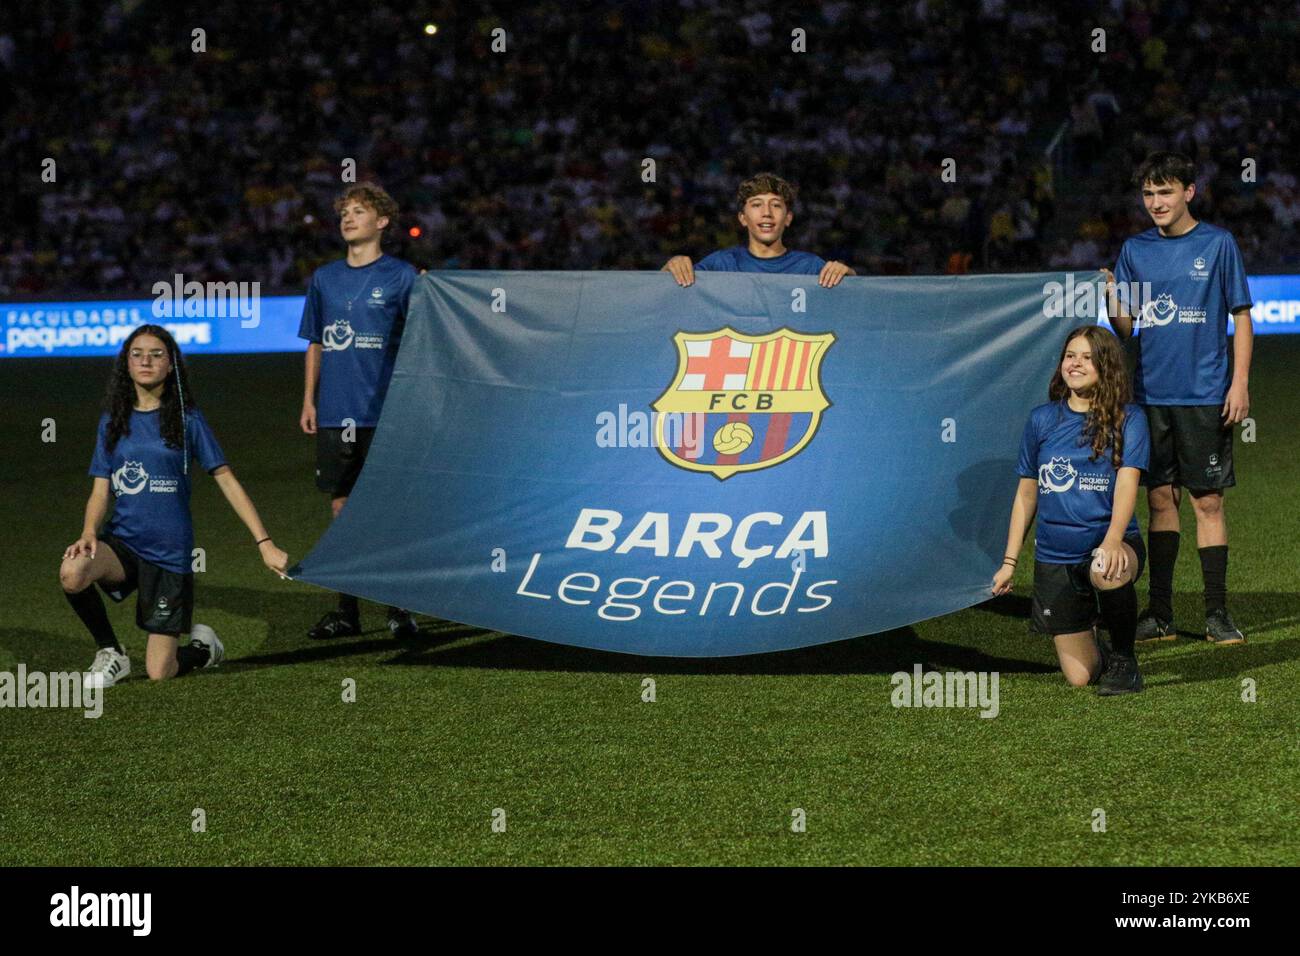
<point>223,164</point>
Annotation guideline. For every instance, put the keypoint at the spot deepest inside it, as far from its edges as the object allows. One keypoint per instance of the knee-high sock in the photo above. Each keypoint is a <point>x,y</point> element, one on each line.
<point>1214,572</point>
<point>1162,555</point>
<point>1119,611</point>
<point>348,605</point>
<point>89,606</point>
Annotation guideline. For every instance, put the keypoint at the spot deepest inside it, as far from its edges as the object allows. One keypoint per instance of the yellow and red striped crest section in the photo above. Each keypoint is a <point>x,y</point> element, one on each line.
<point>784,364</point>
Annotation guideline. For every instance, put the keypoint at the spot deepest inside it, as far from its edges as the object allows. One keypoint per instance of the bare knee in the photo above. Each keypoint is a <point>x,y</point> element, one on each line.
<point>74,574</point>
<point>1208,506</point>
<point>1076,677</point>
<point>1120,579</point>
<point>1101,584</point>
<point>336,505</point>
<point>1162,499</point>
<point>1077,654</point>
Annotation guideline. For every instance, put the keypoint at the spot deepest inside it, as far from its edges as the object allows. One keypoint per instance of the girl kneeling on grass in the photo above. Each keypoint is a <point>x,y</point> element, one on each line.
<point>1080,463</point>
<point>147,434</point>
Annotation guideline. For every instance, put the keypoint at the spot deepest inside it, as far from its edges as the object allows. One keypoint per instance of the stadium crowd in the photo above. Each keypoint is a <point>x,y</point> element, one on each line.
<point>1217,84</point>
<point>222,164</point>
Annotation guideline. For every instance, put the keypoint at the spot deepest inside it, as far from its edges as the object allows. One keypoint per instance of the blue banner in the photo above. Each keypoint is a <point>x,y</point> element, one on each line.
<point>201,323</point>
<point>1276,304</point>
<point>750,464</point>
<point>251,323</point>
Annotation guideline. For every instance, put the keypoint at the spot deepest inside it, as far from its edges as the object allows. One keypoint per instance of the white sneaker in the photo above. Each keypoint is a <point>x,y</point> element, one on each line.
<point>108,668</point>
<point>203,636</point>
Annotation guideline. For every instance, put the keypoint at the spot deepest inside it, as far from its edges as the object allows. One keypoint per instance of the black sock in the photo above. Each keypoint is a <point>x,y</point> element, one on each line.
<point>1162,555</point>
<point>90,608</point>
<point>190,658</point>
<point>1214,571</point>
<point>348,607</point>
<point>1119,612</point>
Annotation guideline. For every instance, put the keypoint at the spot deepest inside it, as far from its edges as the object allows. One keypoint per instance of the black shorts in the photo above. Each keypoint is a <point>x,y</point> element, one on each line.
<point>1065,602</point>
<point>165,602</point>
<point>1190,446</point>
<point>338,462</point>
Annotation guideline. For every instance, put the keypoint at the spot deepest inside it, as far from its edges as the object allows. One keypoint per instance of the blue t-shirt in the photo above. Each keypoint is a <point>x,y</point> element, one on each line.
<point>357,314</point>
<point>152,511</point>
<point>740,259</point>
<point>1182,327</point>
<point>1075,494</point>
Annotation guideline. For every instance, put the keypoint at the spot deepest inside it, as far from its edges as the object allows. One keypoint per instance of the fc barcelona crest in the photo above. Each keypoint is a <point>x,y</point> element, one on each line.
<point>745,402</point>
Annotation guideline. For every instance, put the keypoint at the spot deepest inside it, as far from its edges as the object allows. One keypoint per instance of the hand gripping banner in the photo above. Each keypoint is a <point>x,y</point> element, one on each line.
<point>753,463</point>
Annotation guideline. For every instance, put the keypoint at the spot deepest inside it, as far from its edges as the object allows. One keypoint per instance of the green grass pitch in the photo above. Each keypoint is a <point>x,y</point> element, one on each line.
<point>449,728</point>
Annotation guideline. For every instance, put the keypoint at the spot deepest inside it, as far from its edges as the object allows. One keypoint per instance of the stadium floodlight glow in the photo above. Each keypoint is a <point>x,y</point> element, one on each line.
<point>414,232</point>
<point>430,29</point>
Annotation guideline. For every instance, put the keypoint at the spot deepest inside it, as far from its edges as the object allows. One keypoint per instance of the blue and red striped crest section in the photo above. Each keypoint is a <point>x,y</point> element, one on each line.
<point>741,402</point>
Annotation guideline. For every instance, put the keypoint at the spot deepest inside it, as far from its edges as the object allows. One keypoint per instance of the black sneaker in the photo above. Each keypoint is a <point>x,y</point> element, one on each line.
<point>1120,677</point>
<point>335,624</point>
<point>1152,627</point>
<point>1220,630</point>
<point>401,624</point>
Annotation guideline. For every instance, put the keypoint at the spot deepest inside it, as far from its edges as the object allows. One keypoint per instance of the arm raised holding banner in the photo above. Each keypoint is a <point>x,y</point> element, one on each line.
<point>680,267</point>
<point>1120,319</point>
<point>833,272</point>
<point>765,209</point>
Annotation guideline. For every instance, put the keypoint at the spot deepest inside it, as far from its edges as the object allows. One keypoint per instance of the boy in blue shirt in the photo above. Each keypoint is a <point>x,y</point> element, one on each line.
<point>353,319</point>
<point>1181,279</point>
<point>766,208</point>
